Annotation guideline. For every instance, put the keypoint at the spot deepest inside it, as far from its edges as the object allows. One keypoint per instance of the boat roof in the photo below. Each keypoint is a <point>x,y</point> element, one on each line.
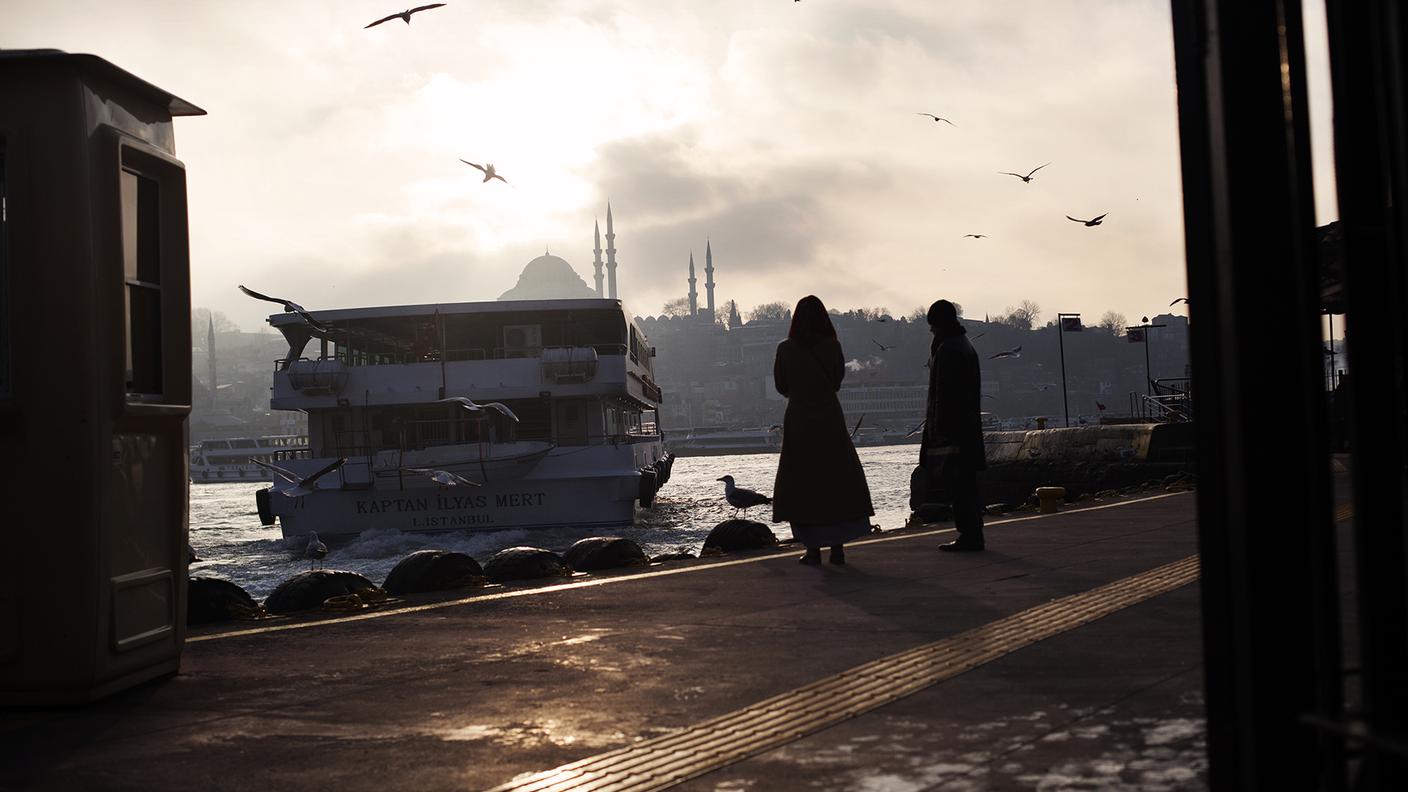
<point>447,309</point>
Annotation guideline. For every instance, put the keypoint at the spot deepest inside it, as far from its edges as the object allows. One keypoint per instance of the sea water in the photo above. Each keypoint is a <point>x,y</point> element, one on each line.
<point>227,536</point>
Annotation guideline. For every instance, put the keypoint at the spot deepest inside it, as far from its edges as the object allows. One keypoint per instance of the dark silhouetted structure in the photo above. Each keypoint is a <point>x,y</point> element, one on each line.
<point>1278,717</point>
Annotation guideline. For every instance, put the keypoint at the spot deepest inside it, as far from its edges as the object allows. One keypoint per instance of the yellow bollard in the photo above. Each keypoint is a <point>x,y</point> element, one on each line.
<point>1050,498</point>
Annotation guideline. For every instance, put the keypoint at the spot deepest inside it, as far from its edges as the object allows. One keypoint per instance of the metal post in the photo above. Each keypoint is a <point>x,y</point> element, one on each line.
<point>1061,344</point>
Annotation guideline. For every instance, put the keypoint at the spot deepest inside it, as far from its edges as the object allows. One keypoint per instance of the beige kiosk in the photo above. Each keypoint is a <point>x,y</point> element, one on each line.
<point>95,379</point>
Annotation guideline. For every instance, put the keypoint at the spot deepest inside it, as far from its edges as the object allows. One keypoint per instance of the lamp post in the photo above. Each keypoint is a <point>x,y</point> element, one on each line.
<point>1137,334</point>
<point>1064,322</point>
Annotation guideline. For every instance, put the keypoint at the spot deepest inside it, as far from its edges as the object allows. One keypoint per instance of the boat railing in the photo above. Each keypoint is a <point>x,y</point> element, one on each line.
<point>354,359</point>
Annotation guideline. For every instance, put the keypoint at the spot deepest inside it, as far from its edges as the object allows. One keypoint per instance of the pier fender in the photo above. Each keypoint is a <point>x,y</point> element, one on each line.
<point>525,563</point>
<point>663,466</point>
<point>604,552</point>
<point>309,590</point>
<point>648,486</point>
<point>433,570</point>
<point>679,554</point>
<point>731,536</point>
<point>265,508</point>
<point>210,600</point>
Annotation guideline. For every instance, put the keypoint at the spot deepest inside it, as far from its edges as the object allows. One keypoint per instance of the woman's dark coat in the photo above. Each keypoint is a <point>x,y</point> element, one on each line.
<point>953,414</point>
<point>819,477</point>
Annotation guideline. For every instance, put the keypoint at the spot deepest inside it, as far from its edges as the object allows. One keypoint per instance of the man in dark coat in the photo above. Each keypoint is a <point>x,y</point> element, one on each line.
<point>952,447</point>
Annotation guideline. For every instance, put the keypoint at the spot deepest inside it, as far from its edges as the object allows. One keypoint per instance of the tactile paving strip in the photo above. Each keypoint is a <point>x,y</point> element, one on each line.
<point>674,758</point>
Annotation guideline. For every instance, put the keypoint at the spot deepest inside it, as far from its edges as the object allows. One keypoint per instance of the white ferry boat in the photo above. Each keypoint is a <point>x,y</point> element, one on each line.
<point>581,449</point>
<point>233,459</point>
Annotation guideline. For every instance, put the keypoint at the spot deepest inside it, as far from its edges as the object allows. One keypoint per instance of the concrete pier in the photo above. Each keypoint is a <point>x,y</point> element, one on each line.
<point>506,683</point>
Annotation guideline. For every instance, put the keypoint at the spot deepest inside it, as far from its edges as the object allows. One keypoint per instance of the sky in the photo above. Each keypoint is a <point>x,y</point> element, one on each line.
<point>785,133</point>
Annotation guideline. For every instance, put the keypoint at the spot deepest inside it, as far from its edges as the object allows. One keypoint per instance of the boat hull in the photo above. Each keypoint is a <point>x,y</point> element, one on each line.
<point>592,489</point>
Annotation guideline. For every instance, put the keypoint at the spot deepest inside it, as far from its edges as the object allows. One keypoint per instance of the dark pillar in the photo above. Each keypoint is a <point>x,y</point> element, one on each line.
<point>1264,505</point>
<point>1367,39</point>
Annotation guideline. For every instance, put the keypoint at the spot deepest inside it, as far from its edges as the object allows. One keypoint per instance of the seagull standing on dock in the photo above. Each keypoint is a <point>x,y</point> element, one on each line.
<point>740,498</point>
<point>316,550</point>
<point>302,485</point>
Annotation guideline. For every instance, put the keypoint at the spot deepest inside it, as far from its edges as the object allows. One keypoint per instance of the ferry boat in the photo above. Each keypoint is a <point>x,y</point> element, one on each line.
<point>233,459</point>
<point>578,445</point>
<point>720,442</point>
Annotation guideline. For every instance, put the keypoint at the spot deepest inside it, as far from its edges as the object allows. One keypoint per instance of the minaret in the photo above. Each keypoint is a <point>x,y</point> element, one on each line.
<point>596,263</point>
<point>693,295</point>
<point>709,278</point>
<point>210,357</point>
<point>610,253</point>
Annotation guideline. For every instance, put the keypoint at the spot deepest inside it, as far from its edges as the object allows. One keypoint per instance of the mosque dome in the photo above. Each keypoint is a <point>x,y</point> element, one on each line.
<point>549,277</point>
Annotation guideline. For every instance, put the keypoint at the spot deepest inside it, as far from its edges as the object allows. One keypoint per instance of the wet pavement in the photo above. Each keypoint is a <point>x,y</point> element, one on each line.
<point>471,693</point>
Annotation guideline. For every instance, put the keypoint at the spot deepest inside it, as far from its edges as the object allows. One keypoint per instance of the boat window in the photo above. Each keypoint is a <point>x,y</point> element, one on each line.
<point>6,385</point>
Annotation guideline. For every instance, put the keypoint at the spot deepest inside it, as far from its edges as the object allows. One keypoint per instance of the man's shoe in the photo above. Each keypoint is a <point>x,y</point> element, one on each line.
<point>812,558</point>
<point>961,546</point>
<point>838,556</point>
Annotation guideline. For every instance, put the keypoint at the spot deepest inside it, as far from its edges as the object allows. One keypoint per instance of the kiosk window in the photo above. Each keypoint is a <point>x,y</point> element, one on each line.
<point>141,248</point>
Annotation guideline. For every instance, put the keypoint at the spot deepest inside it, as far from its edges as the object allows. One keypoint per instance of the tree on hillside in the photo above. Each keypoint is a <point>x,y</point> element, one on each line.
<point>770,312</point>
<point>676,308</point>
<point>1023,317</point>
<point>1113,323</point>
<point>920,314</point>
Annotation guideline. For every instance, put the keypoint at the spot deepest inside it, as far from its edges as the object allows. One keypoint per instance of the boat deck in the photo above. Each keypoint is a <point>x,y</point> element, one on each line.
<point>1069,650</point>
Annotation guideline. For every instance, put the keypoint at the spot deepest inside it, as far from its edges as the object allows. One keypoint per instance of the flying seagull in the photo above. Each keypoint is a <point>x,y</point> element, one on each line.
<point>1026,179</point>
<point>289,307</point>
<point>444,477</point>
<point>740,498</point>
<point>1099,406</point>
<point>916,430</point>
<point>1014,352</point>
<point>404,16</point>
<point>858,423</point>
<point>937,119</point>
<point>488,170</point>
<point>316,550</point>
<point>1088,223</point>
<point>478,409</point>
<point>1183,300</point>
<point>302,485</point>
<point>883,348</point>
<point>976,236</point>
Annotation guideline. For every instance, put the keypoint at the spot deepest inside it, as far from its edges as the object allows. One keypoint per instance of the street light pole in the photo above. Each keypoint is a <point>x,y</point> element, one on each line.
<point>1061,344</point>
<point>1148,376</point>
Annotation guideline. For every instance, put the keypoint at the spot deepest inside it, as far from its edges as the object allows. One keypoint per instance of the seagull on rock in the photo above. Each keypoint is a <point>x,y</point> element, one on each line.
<point>302,485</point>
<point>316,550</point>
<point>740,498</point>
<point>477,410</point>
<point>444,477</point>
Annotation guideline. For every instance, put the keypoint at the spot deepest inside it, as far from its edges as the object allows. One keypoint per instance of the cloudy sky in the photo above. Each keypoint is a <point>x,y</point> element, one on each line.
<point>328,171</point>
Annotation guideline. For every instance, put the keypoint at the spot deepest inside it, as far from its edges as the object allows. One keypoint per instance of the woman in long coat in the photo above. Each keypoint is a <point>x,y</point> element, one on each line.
<point>820,485</point>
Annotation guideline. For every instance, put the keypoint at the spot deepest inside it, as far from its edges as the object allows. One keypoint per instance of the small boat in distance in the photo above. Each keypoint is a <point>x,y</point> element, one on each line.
<point>233,459</point>
<point>400,393</point>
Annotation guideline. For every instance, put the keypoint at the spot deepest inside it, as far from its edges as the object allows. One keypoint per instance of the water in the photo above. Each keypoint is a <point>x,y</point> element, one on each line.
<point>227,536</point>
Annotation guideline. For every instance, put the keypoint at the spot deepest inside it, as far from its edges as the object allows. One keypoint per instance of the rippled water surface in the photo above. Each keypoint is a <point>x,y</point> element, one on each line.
<point>226,533</point>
